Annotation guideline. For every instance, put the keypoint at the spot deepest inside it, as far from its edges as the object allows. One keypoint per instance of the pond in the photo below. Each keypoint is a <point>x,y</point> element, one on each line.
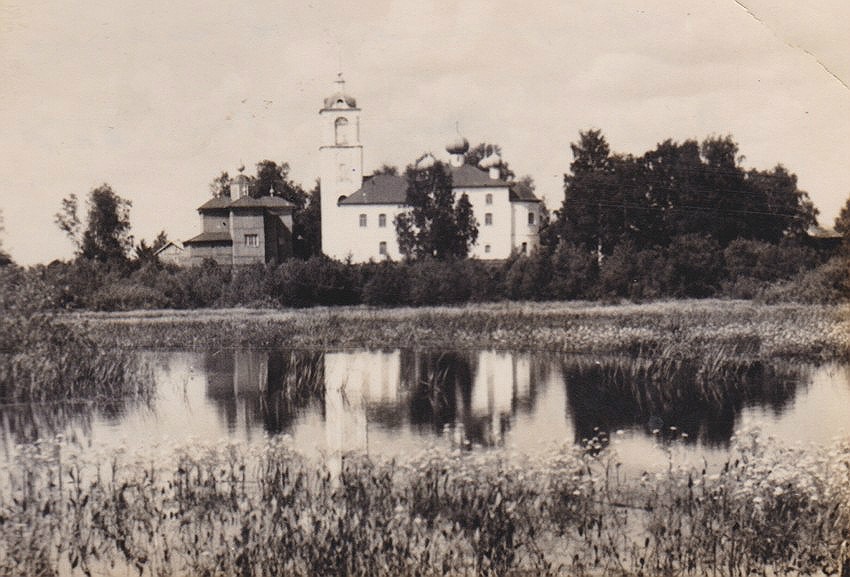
<point>396,401</point>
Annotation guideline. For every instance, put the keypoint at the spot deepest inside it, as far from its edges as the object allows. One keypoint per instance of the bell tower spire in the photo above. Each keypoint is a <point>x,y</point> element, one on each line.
<point>341,158</point>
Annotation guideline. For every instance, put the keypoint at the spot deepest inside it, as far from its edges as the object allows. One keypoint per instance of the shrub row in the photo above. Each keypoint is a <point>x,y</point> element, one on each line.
<point>693,266</point>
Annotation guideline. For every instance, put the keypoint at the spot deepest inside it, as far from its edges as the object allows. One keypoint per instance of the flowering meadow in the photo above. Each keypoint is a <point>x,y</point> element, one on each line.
<point>234,509</point>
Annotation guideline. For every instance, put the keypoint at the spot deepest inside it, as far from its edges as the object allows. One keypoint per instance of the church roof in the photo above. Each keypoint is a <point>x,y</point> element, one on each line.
<point>261,202</point>
<point>466,176</point>
<point>522,193</point>
<point>380,189</point>
<point>392,189</point>
<point>210,237</point>
<point>226,203</point>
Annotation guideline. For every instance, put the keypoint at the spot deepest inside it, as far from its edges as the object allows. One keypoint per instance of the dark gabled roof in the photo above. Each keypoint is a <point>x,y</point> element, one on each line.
<point>210,237</point>
<point>380,189</point>
<point>521,193</point>
<point>466,176</point>
<point>226,203</point>
<point>216,203</point>
<point>261,202</point>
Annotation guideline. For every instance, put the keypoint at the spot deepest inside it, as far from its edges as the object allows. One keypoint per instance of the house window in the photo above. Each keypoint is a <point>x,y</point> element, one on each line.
<point>530,218</point>
<point>487,248</point>
<point>252,240</point>
<point>382,248</point>
<point>382,220</point>
<point>524,248</point>
<point>488,218</point>
<point>489,198</point>
<point>363,220</point>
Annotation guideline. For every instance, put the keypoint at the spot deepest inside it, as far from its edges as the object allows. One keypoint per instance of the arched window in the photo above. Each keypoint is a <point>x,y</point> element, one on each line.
<point>488,198</point>
<point>341,131</point>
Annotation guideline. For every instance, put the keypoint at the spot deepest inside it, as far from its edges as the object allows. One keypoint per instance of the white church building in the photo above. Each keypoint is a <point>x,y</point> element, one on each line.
<point>358,212</point>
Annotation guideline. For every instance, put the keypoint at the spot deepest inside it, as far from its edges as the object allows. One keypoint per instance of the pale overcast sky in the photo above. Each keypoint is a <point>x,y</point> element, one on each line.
<point>156,98</point>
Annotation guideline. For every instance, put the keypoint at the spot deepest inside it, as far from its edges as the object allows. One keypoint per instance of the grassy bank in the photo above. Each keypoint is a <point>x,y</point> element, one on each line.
<point>738,328</point>
<point>230,509</point>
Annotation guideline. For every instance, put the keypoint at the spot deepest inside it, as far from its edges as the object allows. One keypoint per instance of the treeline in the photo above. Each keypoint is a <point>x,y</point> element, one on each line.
<point>690,267</point>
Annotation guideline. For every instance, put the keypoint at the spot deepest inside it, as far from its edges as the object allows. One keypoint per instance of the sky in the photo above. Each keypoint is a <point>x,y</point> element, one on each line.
<point>156,98</point>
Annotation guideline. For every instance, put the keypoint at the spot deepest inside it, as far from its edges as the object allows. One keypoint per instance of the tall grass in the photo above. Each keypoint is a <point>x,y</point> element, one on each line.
<point>44,359</point>
<point>767,331</point>
<point>231,509</point>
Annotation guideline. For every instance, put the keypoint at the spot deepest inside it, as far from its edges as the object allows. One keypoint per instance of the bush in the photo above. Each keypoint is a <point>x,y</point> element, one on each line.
<point>386,284</point>
<point>574,273</point>
<point>827,284</point>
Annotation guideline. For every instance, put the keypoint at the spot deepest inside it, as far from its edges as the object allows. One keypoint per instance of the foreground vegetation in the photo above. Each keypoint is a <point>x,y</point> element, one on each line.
<point>231,509</point>
<point>44,359</point>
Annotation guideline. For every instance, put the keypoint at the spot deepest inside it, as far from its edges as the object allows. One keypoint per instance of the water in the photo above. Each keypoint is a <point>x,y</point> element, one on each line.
<point>393,402</point>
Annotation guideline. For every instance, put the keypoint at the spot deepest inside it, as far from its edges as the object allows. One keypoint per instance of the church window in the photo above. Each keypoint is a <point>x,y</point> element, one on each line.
<point>382,248</point>
<point>382,220</point>
<point>488,218</point>
<point>363,220</point>
<point>530,218</point>
<point>487,248</point>
<point>341,131</point>
<point>252,240</point>
<point>489,198</point>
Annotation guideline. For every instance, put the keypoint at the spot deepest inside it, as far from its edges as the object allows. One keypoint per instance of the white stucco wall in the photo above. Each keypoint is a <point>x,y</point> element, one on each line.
<point>362,243</point>
<point>496,235</point>
<point>522,231</point>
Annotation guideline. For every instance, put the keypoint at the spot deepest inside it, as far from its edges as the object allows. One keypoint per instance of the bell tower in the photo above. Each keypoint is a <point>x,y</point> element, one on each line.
<point>341,162</point>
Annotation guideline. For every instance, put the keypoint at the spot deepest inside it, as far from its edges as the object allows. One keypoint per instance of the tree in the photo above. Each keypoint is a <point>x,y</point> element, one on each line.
<point>842,222</point>
<point>220,186</point>
<point>307,226</point>
<point>147,253</point>
<point>481,151</point>
<point>387,169</point>
<point>106,237</point>
<point>5,259</point>
<point>435,225</point>
<point>589,188</point>
<point>273,177</point>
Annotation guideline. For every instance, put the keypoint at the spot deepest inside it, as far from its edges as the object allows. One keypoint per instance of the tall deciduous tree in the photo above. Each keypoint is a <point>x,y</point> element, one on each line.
<point>274,177</point>
<point>105,235</point>
<point>435,225</point>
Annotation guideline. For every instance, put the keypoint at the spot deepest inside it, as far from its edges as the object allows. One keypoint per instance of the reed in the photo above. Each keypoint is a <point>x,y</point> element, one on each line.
<point>803,332</point>
<point>235,509</point>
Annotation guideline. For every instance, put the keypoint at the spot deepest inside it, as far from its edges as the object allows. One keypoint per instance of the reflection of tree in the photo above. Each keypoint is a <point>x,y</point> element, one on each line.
<point>28,422</point>
<point>480,392</point>
<point>698,396</point>
<point>265,387</point>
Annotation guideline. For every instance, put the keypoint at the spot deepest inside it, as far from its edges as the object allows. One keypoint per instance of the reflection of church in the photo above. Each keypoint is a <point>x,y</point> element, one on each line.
<point>473,394</point>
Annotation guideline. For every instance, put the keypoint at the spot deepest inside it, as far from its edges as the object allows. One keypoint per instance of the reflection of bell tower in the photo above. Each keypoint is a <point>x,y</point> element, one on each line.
<point>341,155</point>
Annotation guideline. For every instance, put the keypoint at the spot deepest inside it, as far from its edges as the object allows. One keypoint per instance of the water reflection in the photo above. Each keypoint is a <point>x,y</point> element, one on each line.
<point>396,401</point>
<point>701,400</point>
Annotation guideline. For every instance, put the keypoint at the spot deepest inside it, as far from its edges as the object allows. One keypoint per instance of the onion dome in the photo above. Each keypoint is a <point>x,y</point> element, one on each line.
<point>491,161</point>
<point>458,146</point>
<point>426,162</point>
<point>340,98</point>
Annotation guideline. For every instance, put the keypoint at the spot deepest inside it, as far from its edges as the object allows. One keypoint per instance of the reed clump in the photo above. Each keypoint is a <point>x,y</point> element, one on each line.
<point>237,509</point>
<point>45,359</point>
